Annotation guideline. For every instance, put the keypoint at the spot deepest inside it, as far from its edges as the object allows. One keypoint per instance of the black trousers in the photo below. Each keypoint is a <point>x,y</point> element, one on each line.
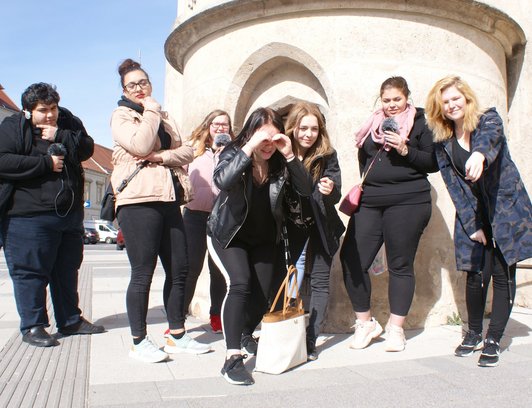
<point>399,227</point>
<point>154,230</point>
<point>495,269</point>
<point>249,272</point>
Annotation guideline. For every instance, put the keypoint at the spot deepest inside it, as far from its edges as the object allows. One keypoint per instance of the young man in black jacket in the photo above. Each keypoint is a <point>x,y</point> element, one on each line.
<point>41,150</point>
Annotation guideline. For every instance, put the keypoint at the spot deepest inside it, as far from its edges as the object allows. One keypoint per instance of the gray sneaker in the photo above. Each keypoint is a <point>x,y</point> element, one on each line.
<point>185,344</point>
<point>147,351</point>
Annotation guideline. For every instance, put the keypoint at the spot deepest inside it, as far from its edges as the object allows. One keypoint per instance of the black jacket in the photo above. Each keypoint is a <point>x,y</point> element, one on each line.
<point>25,164</point>
<point>328,222</point>
<point>233,176</point>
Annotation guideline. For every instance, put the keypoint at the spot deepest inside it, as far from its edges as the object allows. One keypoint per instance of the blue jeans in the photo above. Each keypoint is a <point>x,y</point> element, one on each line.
<point>196,231</point>
<point>45,250</point>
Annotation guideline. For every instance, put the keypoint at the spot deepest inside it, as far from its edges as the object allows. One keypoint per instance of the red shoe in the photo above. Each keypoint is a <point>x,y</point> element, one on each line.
<point>166,333</point>
<point>216,324</point>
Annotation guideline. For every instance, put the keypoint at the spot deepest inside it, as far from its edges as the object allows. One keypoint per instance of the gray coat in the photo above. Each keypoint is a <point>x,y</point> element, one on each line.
<point>508,205</point>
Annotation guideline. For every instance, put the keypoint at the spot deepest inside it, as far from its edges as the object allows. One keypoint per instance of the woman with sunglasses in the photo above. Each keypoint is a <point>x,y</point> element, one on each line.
<point>148,210</point>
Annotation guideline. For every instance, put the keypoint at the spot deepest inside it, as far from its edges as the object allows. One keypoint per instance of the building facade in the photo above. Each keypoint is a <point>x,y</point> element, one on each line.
<point>239,55</point>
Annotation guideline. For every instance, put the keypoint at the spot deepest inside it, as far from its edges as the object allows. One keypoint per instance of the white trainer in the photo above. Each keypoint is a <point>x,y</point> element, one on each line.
<point>395,339</point>
<point>147,351</point>
<point>365,331</point>
<point>185,344</point>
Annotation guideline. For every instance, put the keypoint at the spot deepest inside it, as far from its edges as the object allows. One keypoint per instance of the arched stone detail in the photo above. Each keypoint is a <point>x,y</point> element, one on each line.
<point>255,82</point>
<point>227,15</point>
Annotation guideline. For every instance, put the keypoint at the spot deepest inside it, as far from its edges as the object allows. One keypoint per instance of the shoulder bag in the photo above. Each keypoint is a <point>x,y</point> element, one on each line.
<point>282,343</point>
<point>351,201</point>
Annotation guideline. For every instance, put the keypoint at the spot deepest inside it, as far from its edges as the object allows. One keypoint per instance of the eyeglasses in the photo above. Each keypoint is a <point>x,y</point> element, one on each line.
<point>217,125</point>
<point>131,86</point>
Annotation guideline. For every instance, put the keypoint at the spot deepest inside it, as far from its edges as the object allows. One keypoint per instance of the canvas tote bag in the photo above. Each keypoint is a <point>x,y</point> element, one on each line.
<point>282,343</point>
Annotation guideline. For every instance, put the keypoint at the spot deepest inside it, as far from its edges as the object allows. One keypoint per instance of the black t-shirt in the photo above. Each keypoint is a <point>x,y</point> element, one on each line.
<point>259,226</point>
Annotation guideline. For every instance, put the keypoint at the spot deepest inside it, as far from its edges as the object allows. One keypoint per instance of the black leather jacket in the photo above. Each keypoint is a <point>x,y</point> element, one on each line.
<point>233,176</point>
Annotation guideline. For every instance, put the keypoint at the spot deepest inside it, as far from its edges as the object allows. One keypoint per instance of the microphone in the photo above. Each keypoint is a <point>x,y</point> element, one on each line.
<point>57,149</point>
<point>389,124</point>
<point>221,139</point>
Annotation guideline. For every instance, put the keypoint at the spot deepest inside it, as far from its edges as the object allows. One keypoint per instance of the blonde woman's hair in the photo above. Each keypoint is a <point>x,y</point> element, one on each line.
<point>200,138</point>
<point>442,127</point>
<point>321,147</point>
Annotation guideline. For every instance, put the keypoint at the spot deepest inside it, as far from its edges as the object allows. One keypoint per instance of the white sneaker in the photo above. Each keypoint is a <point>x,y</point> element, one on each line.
<point>395,339</point>
<point>147,351</point>
<point>185,344</point>
<point>365,331</point>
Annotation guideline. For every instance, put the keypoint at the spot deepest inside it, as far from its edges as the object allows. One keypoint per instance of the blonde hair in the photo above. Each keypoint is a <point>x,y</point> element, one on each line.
<point>441,126</point>
<point>200,138</point>
<point>322,145</point>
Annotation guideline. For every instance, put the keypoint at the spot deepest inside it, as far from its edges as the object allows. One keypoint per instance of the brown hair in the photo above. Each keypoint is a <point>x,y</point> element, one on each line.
<point>201,136</point>
<point>322,145</point>
<point>441,126</point>
<point>396,82</point>
<point>127,66</point>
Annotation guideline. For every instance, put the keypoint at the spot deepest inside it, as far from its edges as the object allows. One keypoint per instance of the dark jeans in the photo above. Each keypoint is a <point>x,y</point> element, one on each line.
<point>249,272</point>
<point>196,230</point>
<point>400,228</point>
<point>318,265</point>
<point>45,250</point>
<point>503,294</point>
<point>151,230</point>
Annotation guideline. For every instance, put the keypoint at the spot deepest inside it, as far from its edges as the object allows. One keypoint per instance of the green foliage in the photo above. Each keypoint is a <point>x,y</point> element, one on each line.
<point>454,319</point>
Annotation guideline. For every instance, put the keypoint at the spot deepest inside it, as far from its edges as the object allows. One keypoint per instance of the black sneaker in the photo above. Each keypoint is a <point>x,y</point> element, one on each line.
<point>490,354</point>
<point>234,371</point>
<point>249,344</point>
<point>470,343</point>
<point>312,352</point>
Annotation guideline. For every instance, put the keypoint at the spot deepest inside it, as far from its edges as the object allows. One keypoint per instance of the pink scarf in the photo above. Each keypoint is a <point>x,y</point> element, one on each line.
<point>405,120</point>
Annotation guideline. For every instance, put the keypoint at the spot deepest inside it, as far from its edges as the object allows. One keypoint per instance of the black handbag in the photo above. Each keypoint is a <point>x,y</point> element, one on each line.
<point>108,208</point>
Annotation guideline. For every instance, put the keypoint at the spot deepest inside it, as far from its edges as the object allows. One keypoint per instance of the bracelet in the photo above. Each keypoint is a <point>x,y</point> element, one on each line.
<point>289,159</point>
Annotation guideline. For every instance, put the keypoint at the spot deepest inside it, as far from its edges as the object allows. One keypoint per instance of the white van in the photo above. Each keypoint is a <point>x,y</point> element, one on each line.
<point>105,229</point>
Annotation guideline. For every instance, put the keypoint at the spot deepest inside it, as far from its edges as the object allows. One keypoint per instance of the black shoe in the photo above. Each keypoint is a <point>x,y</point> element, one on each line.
<point>37,336</point>
<point>470,343</point>
<point>490,354</point>
<point>234,371</point>
<point>312,352</point>
<point>249,344</point>
<point>81,327</point>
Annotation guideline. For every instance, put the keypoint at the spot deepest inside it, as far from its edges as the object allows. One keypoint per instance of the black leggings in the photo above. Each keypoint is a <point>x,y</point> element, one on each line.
<point>249,272</point>
<point>151,230</point>
<point>400,228</point>
<point>503,293</point>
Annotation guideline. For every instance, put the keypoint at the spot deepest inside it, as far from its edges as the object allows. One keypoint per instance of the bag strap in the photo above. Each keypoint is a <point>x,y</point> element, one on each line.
<point>126,181</point>
<point>289,289</point>
<point>371,165</point>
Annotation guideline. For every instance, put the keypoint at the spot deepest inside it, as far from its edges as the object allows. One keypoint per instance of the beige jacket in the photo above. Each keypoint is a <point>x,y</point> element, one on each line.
<point>134,136</point>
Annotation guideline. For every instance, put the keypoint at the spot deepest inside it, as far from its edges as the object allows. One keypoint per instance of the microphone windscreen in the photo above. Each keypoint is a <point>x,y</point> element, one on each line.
<point>222,139</point>
<point>389,124</point>
<point>57,149</point>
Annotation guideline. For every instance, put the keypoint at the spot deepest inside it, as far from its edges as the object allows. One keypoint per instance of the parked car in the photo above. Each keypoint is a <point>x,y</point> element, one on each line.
<point>120,242</point>
<point>91,236</point>
<point>106,230</point>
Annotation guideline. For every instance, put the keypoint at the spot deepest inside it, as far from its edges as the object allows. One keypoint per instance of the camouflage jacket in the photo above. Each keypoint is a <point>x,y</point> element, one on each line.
<point>504,196</point>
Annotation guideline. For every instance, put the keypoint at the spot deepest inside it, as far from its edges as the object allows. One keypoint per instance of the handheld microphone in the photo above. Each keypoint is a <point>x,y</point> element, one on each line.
<point>221,139</point>
<point>57,149</point>
<point>389,124</point>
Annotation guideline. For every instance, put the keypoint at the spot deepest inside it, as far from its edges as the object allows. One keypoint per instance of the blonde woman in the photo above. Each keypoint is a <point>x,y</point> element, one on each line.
<point>493,226</point>
<point>208,139</point>
<point>314,227</point>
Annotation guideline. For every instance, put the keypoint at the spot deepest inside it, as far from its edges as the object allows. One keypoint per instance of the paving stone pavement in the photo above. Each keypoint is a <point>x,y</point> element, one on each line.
<point>426,374</point>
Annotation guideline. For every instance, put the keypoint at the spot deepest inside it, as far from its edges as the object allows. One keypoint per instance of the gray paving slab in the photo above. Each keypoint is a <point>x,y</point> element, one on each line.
<point>426,374</point>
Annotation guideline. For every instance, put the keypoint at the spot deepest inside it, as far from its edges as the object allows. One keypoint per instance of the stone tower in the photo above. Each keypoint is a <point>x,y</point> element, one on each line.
<point>239,55</point>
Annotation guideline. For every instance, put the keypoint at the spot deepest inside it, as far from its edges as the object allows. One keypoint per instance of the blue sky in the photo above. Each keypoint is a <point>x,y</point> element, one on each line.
<point>78,45</point>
